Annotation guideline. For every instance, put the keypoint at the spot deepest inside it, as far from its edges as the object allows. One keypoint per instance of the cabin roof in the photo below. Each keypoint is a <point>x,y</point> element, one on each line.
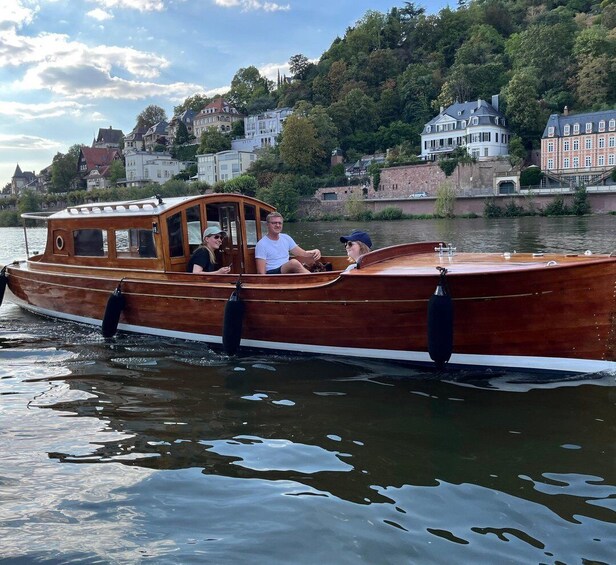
<point>152,206</point>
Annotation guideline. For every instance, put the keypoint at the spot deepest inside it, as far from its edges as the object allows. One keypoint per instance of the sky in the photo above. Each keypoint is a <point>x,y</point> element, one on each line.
<point>70,67</point>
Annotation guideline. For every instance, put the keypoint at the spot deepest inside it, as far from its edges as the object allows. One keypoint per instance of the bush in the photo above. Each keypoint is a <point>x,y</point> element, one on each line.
<point>448,166</point>
<point>513,210</point>
<point>9,219</point>
<point>389,213</point>
<point>531,176</point>
<point>445,200</point>
<point>581,205</point>
<point>491,209</point>
<point>557,208</point>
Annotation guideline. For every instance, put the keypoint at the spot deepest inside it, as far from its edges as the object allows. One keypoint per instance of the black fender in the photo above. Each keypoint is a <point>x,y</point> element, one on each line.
<point>113,310</point>
<point>440,323</point>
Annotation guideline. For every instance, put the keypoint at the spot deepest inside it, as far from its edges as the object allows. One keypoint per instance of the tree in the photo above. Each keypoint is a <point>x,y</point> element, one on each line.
<point>213,141</point>
<point>196,102</point>
<point>117,171</point>
<point>299,147</point>
<point>64,170</point>
<point>299,65</point>
<point>244,184</point>
<point>29,201</point>
<point>281,194</point>
<point>248,85</point>
<point>151,116</point>
<point>522,106</point>
<point>181,136</point>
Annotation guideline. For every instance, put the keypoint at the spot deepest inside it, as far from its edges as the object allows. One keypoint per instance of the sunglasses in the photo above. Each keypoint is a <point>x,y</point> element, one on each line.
<point>350,243</point>
<point>217,236</point>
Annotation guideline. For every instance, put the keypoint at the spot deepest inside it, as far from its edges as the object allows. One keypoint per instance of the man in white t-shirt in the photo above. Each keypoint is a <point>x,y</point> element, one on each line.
<point>272,250</point>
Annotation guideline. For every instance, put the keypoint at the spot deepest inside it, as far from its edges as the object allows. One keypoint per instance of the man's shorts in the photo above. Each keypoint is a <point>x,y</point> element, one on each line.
<point>276,271</point>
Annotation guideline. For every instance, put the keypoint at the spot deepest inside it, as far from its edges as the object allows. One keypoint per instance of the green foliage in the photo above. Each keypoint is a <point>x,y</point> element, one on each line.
<point>116,171</point>
<point>247,86</point>
<point>196,102</point>
<point>299,147</point>
<point>9,219</point>
<point>580,205</point>
<point>448,166</point>
<point>64,173</point>
<point>613,175</point>
<point>213,141</point>
<point>517,151</point>
<point>389,213</point>
<point>445,200</point>
<point>355,208</point>
<point>244,184</point>
<point>281,194</point>
<point>513,210</point>
<point>185,152</point>
<point>491,209</point>
<point>151,116</point>
<point>557,208</point>
<point>531,176</point>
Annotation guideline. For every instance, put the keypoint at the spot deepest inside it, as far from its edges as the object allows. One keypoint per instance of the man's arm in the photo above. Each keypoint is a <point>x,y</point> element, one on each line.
<point>312,254</point>
<point>260,266</point>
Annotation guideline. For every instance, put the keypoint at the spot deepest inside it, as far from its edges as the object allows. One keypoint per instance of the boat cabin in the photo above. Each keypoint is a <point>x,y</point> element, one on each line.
<point>156,234</point>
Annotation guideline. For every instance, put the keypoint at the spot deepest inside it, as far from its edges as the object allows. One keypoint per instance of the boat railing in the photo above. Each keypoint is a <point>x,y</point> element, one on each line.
<point>42,216</point>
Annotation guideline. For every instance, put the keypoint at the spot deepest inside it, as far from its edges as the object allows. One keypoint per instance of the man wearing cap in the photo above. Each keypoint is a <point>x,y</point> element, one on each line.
<point>357,243</point>
<point>203,260</point>
<point>272,250</point>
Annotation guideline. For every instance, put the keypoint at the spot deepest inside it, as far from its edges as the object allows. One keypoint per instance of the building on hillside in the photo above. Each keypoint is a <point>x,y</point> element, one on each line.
<point>144,167</point>
<point>22,180</point>
<point>188,119</point>
<point>108,138</point>
<point>157,136</point>
<point>224,165</point>
<point>134,140</point>
<point>477,126</point>
<point>262,130</point>
<point>219,115</point>
<point>579,149</point>
<point>360,167</point>
<point>98,178</point>
<point>95,159</point>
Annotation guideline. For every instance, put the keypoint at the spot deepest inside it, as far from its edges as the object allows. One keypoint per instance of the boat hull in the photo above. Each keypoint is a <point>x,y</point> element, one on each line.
<point>558,318</point>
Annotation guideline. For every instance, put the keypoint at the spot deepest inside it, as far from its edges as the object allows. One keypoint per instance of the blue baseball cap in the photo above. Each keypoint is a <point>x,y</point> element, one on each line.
<point>357,236</point>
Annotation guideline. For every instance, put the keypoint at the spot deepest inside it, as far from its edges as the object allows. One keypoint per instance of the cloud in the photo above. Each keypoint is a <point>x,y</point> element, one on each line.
<point>99,15</point>
<point>28,112</point>
<point>140,5</point>
<point>13,14</point>
<point>252,5</point>
<point>271,70</point>
<point>27,142</point>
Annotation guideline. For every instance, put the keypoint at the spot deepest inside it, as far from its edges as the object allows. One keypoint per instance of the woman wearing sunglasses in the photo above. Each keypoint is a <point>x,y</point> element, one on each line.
<point>357,244</point>
<point>203,260</point>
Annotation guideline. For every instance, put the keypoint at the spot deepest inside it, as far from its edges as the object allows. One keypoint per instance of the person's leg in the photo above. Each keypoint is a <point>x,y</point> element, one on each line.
<point>293,266</point>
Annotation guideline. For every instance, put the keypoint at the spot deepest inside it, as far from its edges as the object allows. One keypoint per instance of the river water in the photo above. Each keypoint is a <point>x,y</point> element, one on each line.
<point>143,449</point>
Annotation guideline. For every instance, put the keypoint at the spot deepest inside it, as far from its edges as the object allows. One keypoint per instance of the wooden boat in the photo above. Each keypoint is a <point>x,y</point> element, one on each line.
<point>528,311</point>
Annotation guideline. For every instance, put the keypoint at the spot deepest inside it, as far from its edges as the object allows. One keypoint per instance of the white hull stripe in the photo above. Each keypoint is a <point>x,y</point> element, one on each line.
<point>552,364</point>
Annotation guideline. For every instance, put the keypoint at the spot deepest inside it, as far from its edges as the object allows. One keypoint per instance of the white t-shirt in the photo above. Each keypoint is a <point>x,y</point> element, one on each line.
<point>275,253</point>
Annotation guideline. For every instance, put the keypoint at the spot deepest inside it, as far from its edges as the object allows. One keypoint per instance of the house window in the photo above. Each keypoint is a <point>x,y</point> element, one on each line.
<point>576,129</point>
<point>475,121</point>
<point>588,143</point>
<point>611,159</point>
<point>567,129</point>
<point>602,125</point>
<point>588,161</point>
<point>428,129</point>
<point>550,163</point>
<point>601,142</point>
<point>550,147</point>
<point>551,131</point>
<point>588,127</point>
<point>566,145</point>
<point>576,144</point>
<point>612,125</point>
<point>576,162</point>
<point>601,160</point>
<point>611,141</point>
<point>566,163</point>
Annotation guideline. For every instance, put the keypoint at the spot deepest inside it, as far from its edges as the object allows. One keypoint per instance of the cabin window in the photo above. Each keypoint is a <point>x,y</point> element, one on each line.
<point>90,242</point>
<point>264,214</point>
<point>250,215</point>
<point>193,219</point>
<point>135,242</point>
<point>176,241</point>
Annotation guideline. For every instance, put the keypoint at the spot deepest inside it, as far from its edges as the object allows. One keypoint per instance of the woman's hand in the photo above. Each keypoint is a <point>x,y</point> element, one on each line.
<point>224,270</point>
